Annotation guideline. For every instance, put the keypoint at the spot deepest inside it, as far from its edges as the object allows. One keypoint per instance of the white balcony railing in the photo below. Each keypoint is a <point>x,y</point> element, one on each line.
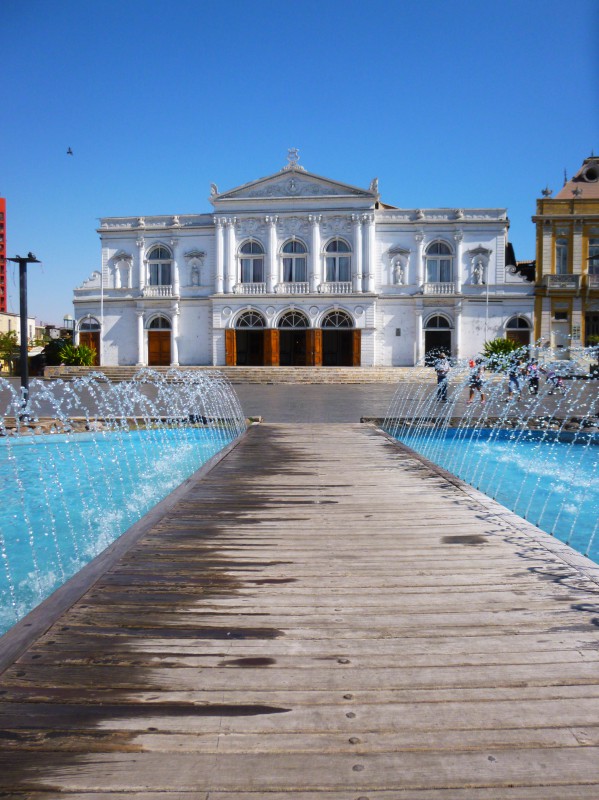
<point>335,287</point>
<point>157,291</point>
<point>593,281</point>
<point>249,288</point>
<point>447,287</point>
<point>562,281</point>
<point>293,288</point>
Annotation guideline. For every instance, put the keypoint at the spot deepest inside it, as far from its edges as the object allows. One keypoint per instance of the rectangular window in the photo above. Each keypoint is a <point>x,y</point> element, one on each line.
<point>344,273</point>
<point>561,257</point>
<point>330,269</point>
<point>593,256</point>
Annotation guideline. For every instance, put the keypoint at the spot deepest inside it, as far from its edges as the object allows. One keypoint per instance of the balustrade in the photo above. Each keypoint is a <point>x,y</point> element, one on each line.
<point>335,287</point>
<point>157,291</point>
<point>562,281</point>
<point>293,288</point>
<point>249,288</point>
<point>446,287</point>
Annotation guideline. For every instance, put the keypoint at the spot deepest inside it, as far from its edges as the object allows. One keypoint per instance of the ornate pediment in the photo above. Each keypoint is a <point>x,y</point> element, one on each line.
<point>292,183</point>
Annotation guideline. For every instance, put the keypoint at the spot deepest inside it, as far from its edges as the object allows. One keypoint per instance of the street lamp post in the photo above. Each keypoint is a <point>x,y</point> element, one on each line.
<point>22,261</point>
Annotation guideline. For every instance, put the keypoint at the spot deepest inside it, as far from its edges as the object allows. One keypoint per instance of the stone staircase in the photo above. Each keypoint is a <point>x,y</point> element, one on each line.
<point>265,375</point>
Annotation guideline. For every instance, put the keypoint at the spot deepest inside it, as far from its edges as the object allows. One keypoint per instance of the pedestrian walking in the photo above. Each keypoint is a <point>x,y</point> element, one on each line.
<point>442,367</point>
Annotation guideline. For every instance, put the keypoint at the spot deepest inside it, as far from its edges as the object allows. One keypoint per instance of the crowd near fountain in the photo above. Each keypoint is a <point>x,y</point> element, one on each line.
<point>82,460</point>
<point>522,427</point>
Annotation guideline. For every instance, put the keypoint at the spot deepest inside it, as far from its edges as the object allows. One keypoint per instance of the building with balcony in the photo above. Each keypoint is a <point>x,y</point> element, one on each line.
<point>567,271</point>
<point>298,269</point>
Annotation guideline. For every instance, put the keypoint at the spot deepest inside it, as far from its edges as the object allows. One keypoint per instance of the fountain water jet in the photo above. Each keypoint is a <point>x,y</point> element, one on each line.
<point>538,455</point>
<point>83,460</point>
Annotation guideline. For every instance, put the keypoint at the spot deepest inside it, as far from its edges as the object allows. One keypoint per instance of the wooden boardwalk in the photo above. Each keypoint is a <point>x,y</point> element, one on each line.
<point>322,617</point>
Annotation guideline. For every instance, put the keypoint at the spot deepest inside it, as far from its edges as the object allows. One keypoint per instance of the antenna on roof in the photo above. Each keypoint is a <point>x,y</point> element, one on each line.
<point>565,177</point>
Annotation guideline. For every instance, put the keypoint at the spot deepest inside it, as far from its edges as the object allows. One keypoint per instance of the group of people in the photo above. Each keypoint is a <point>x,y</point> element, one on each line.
<point>519,373</point>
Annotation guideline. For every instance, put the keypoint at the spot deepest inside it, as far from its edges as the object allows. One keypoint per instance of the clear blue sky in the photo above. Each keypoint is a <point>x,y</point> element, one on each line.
<point>462,103</point>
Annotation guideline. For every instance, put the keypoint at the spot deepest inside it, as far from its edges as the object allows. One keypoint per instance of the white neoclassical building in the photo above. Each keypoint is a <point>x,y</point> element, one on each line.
<point>297,269</point>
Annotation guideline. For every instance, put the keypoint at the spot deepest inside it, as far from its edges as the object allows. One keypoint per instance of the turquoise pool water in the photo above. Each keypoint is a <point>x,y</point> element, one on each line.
<point>64,499</point>
<point>554,484</point>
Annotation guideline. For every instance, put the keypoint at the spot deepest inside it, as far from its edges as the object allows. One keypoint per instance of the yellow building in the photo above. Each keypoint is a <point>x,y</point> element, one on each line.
<point>567,257</point>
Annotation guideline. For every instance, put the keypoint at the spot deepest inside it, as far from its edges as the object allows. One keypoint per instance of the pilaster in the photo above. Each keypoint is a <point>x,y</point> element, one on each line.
<point>218,222</point>
<point>140,338</point>
<point>271,277</point>
<point>459,274</point>
<point>315,259</point>
<point>419,237</point>
<point>357,277</point>
<point>141,266</point>
<point>230,268</point>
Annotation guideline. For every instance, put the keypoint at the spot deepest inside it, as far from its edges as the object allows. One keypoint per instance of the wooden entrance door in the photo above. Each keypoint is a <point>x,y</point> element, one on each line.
<point>249,346</point>
<point>338,348</point>
<point>435,344</point>
<point>159,348</point>
<point>292,348</point>
<point>91,339</point>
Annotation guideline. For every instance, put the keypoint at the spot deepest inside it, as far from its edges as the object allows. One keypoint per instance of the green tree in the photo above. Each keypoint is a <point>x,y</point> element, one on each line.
<point>500,352</point>
<point>79,356</point>
<point>9,349</point>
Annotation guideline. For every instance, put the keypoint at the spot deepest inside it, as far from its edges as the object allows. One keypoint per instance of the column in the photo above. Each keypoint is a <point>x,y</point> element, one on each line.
<point>315,276</point>
<point>271,273</point>
<point>140,338</point>
<point>175,275</point>
<point>419,336</point>
<point>419,259</point>
<point>218,222</point>
<point>175,337</point>
<point>141,264</point>
<point>230,271</point>
<point>459,236</point>
<point>369,265</point>
<point>577,248</point>
<point>458,331</point>
<point>357,263</point>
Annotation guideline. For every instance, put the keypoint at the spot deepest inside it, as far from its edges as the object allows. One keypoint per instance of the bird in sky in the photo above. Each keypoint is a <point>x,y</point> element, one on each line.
<point>69,152</point>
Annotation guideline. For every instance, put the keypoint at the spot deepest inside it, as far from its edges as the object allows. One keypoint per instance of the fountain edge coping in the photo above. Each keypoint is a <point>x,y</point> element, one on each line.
<point>555,546</point>
<point>37,622</point>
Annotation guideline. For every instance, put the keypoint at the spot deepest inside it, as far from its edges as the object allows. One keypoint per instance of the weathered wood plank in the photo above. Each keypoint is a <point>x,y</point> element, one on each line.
<point>320,616</point>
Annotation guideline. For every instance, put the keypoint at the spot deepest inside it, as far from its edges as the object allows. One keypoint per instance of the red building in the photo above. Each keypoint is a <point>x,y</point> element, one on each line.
<point>3,286</point>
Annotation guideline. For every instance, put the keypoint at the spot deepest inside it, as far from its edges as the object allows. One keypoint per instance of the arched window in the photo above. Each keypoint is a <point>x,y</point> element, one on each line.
<point>337,319</point>
<point>89,324</point>
<point>561,256</point>
<point>338,261</point>
<point>294,262</point>
<point>252,262</point>
<point>438,321</point>
<point>160,324</point>
<point>293,319</point>
<point>250,319</point>
<point>160,266</point>
<point>439,263</point>
<point>517,329</point>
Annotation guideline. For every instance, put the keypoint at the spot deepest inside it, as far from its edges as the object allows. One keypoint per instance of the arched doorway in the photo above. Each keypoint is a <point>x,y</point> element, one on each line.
<point>437,338</point>
<point>292,339</point>
<point>341,342</point>
<point>517,329</point>
<point>245,347</point>
<point>159,342</point>
<point>89,335</point>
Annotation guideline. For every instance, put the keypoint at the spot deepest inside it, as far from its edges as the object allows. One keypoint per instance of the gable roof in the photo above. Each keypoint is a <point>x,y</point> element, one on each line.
<point>294,182</point>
